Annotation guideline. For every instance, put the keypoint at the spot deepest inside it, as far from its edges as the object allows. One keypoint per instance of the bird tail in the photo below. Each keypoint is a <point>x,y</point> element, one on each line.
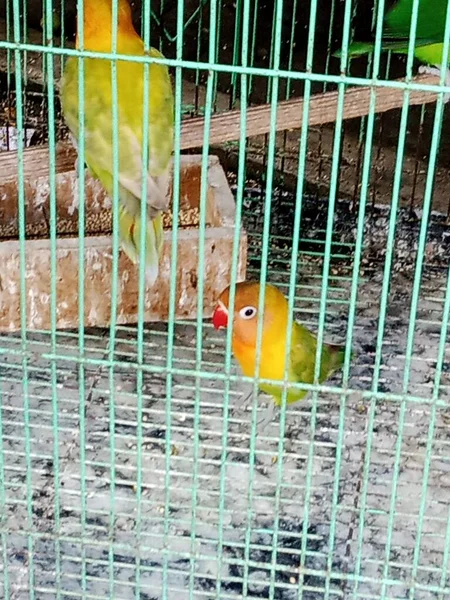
<point>337,357</point>
<point>360,48</point>
<point>130,236</point>
<point>356,49</point>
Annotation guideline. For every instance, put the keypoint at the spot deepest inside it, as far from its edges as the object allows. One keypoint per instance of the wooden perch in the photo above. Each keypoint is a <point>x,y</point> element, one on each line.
<point>226,127</point>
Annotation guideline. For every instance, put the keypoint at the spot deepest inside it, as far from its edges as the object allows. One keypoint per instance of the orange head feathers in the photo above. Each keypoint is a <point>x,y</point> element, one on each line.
<point>245,317</point>
<point>97,24</point>
<point>302,356</point>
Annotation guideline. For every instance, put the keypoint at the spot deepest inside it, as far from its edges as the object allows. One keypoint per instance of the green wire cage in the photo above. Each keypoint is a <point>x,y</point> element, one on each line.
<point>128,466</point>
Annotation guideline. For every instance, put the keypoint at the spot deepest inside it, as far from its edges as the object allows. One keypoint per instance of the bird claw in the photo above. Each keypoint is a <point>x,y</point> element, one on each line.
<point>247,402</point>
<point>86,168</point>
<point>268,414</point>
<point>437,71</point>
<point>267,417</point>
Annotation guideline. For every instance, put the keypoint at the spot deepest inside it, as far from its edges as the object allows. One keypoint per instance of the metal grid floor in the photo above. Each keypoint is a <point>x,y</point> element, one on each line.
<point>354,504</point>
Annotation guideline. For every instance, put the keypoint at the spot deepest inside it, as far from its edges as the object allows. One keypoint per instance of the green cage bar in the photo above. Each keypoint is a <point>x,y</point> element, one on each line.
<point>130,464</point>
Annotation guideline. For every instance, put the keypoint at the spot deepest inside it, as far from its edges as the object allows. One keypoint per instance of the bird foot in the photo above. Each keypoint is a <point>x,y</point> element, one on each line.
<point>244,405</point>
<point>437,71</point>
<point>267,417</point>
<point>247,402</point>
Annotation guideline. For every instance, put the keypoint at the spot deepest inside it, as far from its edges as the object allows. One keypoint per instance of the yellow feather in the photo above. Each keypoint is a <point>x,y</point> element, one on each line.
<point>99,121</point>
<point>301,360</point>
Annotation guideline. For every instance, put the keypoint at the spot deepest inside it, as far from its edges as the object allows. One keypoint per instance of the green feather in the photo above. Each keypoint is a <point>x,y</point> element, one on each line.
<point>430,20</point>
<point>302,364</point>
<point>397,23</point>
<point>98,138</point>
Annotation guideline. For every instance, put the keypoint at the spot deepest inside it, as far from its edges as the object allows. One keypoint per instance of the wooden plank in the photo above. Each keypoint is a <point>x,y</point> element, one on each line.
<point>219,237</point>
<point>226,127</point>
<point>37,188</point>
<point>218,249</point>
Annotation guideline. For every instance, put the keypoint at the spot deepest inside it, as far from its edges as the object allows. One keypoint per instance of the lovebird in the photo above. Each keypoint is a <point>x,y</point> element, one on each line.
<point>430,32</point>
<point>303,343</point>
<point>98,124</point>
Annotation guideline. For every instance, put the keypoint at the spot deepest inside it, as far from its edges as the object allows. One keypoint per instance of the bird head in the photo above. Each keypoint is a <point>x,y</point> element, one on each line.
<point>97,26</point>
<point>245,314</point>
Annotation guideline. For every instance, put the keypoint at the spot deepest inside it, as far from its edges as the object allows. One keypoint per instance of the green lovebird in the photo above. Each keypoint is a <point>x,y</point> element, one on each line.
<point>430,30</point>
<point>302,358</point>
<point>98,125</point>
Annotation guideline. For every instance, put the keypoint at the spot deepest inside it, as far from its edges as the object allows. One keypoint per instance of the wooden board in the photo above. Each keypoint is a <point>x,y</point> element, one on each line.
<point>220,218</point>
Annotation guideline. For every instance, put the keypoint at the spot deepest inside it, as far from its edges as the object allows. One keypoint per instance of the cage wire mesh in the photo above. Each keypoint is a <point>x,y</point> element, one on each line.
<point>128,466</point>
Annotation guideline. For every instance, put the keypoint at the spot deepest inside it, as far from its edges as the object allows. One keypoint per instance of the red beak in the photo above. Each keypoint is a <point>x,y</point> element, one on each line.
<point>220,318</point>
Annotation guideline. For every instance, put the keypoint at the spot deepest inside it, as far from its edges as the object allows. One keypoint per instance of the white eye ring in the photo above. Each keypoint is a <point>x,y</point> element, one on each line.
<point>248,312</point>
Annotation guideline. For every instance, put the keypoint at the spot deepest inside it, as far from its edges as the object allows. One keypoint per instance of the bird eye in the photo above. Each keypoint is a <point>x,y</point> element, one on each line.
<point>248,312</point>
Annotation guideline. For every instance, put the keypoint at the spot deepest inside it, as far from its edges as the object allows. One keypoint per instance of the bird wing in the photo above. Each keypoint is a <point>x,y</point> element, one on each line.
<point>430,21</point>
<point>99,129</point>
<point>303,354</point>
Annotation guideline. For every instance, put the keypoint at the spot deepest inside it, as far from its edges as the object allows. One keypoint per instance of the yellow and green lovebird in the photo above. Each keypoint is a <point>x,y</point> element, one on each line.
<point>99,123</point>
<point>430,31</point>
<point>302,356</point>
